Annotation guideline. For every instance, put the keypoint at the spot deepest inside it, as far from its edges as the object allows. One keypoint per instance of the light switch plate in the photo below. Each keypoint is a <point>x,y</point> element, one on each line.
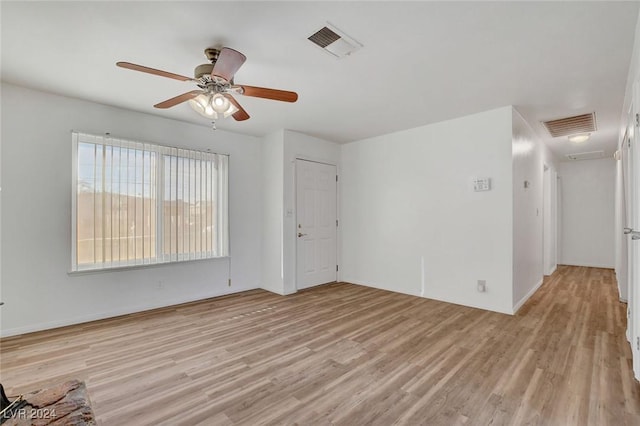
<point>481,184</point>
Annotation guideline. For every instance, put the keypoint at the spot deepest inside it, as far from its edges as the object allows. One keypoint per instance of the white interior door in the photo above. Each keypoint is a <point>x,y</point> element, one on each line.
<point>316,229</point>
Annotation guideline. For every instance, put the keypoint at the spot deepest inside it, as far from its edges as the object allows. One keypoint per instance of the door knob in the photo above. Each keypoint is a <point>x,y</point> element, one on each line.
<point>627,230</point>
<point>300,234</point>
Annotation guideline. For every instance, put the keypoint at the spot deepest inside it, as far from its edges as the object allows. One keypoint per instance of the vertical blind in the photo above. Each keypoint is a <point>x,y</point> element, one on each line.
<point>137,203</point>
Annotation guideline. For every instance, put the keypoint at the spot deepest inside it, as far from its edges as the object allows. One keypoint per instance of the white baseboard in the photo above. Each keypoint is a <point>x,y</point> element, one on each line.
<point>555,267</point>
<point>378,286</point>
<point>526,297</point>
<point>588,265</point>
<point>427,296</point>
<point>114,313</point>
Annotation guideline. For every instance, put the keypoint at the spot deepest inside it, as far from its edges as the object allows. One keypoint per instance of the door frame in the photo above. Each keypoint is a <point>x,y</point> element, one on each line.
<point>549,220</point>
<point>627,208</point>
<point>622,244</point>
<point>634,222</point>
<point>295,216</point>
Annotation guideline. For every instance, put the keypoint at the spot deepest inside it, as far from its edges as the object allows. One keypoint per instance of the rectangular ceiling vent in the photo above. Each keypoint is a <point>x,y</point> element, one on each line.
<point>335,42</point>
<point>584,123</point>
<point>592,155</point>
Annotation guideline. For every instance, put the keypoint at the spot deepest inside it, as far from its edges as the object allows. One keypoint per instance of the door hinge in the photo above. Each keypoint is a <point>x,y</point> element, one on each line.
<point>336,222</point>
<point>336,178</point>
<point>638,343</point>
<point>637,119</point>
<point>336,268</point>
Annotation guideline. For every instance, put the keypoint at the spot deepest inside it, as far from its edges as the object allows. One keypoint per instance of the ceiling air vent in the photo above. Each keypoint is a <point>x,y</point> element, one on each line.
<point>584,123</point>
<point>333,41</point>
<point>593,155</point>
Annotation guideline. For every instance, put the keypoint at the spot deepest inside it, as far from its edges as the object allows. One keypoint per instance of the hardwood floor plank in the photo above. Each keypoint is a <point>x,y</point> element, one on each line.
<point>349,355</point>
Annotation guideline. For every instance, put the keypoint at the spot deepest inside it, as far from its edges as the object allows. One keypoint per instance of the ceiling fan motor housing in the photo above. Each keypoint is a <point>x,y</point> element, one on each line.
<point>202,70</point>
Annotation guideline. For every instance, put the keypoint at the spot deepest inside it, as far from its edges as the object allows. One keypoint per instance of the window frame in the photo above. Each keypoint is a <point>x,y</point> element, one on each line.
<point>161,257</point>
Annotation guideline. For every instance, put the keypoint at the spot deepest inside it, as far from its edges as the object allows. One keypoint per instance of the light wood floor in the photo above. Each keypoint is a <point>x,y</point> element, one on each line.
<point>350,355</point>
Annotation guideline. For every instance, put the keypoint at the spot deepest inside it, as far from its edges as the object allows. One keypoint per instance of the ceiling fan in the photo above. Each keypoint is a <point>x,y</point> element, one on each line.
<point>216,86</point>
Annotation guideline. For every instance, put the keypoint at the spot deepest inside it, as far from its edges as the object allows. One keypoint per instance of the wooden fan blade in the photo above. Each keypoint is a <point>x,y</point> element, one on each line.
<point>178,99</point>
<point>262,92</point>
<point>135,67</point>
<point>241,114</point>
<point>229,61</point>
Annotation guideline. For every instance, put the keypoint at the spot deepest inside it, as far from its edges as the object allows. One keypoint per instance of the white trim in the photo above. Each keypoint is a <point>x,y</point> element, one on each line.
<point>526,297</point>
<point>588,265</point>
<point>74,201</point>
<point>143,266</point>
<point>440,299</point>
<point>115,313</point>
<point>280,293</point>
<point>555,267</point>
<point>378,286</point>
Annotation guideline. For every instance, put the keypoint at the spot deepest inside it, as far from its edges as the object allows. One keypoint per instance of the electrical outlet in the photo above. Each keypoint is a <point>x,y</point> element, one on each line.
<point>482,286</point>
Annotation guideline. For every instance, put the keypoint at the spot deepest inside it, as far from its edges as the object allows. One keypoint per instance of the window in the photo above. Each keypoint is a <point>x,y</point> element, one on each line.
<point>138,204</point>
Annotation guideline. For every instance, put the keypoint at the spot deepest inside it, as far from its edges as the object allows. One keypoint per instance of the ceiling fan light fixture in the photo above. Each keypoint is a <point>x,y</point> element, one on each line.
<point>202,105</point>
<point>211,105</point>
<point>219,103</point>
<point>579,138</point>
<point>230,111</point>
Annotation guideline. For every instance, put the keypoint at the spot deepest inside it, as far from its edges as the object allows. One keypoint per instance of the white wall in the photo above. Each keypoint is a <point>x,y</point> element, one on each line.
<point>36,215</point>
<point>633,76</point>
<point>588,191</point>
<point>529,158</point>
<point>411,221</point>
<point>272,211</point>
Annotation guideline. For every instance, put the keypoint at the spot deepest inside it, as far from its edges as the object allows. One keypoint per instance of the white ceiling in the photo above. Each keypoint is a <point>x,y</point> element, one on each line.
<point>422,62</point>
